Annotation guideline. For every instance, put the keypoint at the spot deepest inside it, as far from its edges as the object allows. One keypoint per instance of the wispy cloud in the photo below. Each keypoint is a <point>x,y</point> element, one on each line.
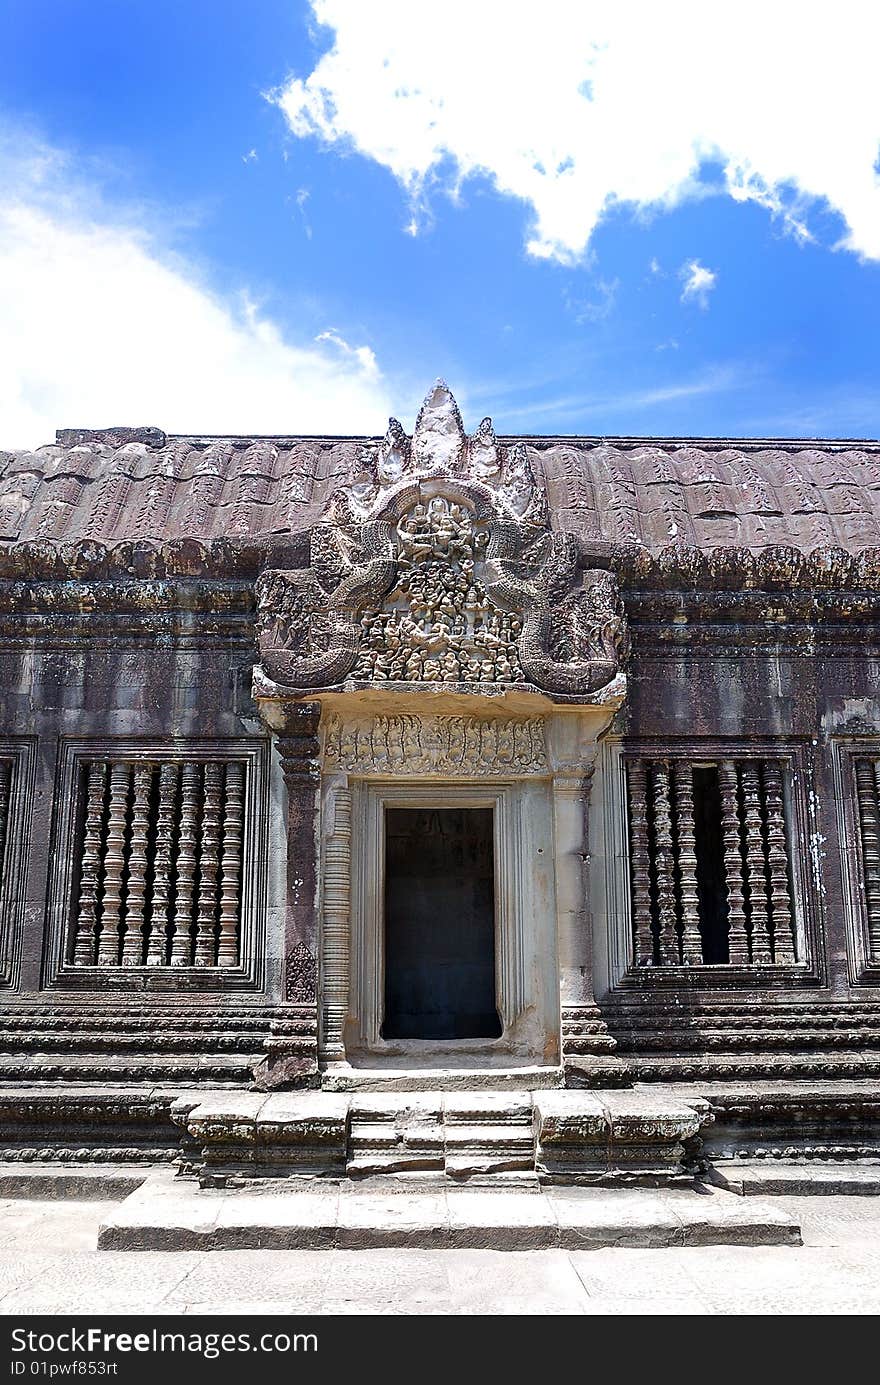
<point>579,109</point>
<point>697,282</point>
<point>715,380</point>
<point>363,355</point>
<point>597,308</point>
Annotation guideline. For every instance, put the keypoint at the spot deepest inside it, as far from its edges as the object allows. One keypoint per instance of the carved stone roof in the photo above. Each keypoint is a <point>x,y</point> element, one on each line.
<point>127,484</point>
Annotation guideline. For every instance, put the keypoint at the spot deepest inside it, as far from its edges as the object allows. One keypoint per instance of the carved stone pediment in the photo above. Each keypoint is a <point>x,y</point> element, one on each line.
<point>437,580</point>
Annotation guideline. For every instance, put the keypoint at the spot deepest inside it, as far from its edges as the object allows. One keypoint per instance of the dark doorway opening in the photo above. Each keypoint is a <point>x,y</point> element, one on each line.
<point>711,876</point>
<point>439,924</point>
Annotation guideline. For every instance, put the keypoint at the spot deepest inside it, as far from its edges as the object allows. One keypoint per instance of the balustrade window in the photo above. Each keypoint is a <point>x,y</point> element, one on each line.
<point>868,791</point>
<point>160,864</point>
<point>710,862</point>
<point>6,767</point>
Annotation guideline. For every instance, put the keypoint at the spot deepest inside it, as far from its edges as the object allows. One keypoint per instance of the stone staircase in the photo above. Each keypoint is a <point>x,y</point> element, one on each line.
<point>609,1136</point>
<point>462,1134</point>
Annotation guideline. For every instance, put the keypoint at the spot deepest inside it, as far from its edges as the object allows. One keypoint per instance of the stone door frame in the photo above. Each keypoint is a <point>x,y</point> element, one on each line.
<point>353,934</point>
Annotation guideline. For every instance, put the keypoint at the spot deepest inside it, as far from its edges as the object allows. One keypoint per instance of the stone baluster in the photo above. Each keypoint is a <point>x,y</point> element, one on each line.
<point>756,863</point>
<point>136,879</point>
<point>869,820</point>
<point>737,938</point>
<point>664,861</point>
<point>182,941</point>
<point>230,866</point>
<point>643,937</point>
<point>85,949</point>
<point>777,862</point>
<point>160,917</point>
<point>209,866</point>
<point>691,941</point>
<point>114,866</point>
<point>337,925</point>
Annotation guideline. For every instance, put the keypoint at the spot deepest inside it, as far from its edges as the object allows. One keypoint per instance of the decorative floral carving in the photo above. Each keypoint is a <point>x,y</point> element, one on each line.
<point>436,745</point>
<point>302,976</point>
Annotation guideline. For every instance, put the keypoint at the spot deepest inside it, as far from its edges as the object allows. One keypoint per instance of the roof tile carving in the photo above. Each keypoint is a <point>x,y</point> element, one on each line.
<point>137,483</point>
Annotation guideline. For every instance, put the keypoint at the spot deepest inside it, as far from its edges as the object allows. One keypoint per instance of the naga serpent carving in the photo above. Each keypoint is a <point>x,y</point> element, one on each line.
<point>443,581</point>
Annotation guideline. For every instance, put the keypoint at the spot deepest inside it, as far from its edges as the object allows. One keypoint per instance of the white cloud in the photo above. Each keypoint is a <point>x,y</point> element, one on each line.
<point>577,108</point>
<point>102,326</point>
<point>697,282</point>
<point>364,355</point>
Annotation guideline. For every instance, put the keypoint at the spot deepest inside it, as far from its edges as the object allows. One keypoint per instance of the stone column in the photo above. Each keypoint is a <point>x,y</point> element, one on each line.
<point>293,1047</point>
<point>571,805</point>
<point>587,1047</point>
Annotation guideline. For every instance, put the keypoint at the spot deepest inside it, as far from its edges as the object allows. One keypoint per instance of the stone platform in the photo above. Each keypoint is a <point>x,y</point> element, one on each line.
<point>651,1132</point>
<point>169,1213</point>
<point>598,1137</point>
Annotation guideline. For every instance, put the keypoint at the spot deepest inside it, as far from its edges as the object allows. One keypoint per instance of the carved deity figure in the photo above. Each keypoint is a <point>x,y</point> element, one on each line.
<point>439,624</point>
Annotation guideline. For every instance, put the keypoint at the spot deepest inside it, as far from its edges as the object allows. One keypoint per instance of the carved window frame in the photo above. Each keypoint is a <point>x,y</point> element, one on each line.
<point>863,968</point>
<point>249,973</point>
<point>371,797</point>
<point>612,904</point>
<point>20,754</point>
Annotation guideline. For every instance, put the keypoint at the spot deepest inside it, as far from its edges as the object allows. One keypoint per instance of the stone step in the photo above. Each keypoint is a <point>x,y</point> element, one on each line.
<point>464,1134</point>
<point>489,1137</point>
<point>397,1081</point>
<point>168,1213</point>
<point>385,1135</point>
<point>814,1179</point>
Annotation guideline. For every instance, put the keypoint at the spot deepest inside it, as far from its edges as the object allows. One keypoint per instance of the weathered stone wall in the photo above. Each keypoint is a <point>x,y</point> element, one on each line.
<point>794,664</point>
<point>136,670</point>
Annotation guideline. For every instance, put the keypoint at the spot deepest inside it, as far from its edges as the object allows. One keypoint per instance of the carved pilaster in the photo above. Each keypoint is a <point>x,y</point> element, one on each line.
<point>643,937</point>
<point>182,942</point>
<point>160,914</point>
<point>136,883</point>
<point>691,941</point>
<point>85,949</point>
<point>114,866</point>
<point>336,946</point>
<point>664,860</point>
<point>777,861</point>
<point>230,866</point>
<point>5,785</point>
<point>572,787</point>
<point>756,866</point>
<point>209,866</point>
<point>299,750</point>
<point>737,939</point>
<point>869,820</point>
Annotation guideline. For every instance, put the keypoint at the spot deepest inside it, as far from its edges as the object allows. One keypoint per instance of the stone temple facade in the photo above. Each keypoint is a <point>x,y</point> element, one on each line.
<point>441,800</point>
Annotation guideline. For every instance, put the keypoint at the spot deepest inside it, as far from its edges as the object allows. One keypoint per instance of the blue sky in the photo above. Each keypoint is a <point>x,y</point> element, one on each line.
<point>234,217</point>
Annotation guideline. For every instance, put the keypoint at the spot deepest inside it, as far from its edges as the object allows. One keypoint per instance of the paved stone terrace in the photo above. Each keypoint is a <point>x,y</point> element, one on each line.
<point>49,1264</point>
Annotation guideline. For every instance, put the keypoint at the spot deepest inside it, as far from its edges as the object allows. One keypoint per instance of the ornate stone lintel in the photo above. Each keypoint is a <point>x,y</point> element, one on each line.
<point>452,746</point>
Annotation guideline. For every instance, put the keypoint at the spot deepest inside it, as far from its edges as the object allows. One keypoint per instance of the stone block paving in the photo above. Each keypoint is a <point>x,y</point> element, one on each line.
<point>49,1264</point>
